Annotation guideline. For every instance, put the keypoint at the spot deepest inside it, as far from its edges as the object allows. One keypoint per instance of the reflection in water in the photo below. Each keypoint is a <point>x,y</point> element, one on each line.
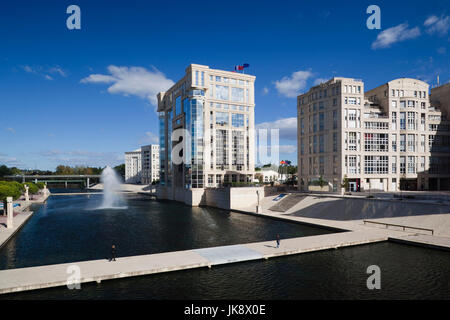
<point>406,273</point>
<point>63,230</point>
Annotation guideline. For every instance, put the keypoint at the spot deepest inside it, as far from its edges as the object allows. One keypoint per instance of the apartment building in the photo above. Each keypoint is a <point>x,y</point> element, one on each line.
<point>142,165</point>
<point>150,163</point>
<point>383,139</point>
<point>216,110</point>
<point>133,166</point>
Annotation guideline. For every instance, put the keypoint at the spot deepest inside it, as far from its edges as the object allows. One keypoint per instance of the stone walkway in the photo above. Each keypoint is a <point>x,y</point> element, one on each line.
<point>22,279</point>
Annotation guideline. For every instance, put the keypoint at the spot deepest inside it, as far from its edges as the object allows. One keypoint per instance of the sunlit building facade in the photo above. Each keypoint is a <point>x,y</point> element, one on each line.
<point>142,165</point>
<point>216,110</point>
<point>382,139</point>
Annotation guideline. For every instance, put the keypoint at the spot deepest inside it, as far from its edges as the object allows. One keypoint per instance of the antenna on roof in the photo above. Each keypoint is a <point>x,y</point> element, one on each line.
<point>438,80</point>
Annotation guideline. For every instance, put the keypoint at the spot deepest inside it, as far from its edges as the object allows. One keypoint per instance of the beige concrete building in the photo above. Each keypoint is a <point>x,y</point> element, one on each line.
<point>380,140</point>
<point>216,108</point>
<point>142,165</point>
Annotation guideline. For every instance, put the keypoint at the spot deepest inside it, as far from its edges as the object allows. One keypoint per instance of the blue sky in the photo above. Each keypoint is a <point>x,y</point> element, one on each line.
<point>83,97</point>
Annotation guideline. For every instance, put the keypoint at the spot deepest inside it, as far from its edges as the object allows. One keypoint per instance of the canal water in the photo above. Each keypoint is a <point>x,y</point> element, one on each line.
<point>69,228</point>
<point>65,230</point>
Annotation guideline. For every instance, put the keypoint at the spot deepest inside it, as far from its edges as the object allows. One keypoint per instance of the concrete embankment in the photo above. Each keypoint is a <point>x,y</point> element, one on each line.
<point>23,279</point>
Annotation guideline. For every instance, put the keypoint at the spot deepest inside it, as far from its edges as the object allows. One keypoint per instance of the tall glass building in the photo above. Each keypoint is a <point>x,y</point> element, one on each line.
<point>206,133</point>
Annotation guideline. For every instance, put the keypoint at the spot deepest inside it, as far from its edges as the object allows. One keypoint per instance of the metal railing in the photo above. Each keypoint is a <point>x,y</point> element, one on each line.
<point>398,225</point>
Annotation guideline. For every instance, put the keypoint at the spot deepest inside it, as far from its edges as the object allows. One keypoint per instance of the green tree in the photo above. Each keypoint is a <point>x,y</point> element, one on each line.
<point>9,189</point>
<point>40,185</point>
<point>345,183</point>
<point>32,188</point>
<point>322,181</point>
<point>120,169</point>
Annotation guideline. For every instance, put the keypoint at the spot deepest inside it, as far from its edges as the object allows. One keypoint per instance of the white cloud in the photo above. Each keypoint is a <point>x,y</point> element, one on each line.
<point>442,50</point>
<point>287,127</point>
<point>395,34</point>
<point>28,69</point>
<point>136,81</point>
<point>12,130</point>
<point>82,157</point>
<point>265,91</point>
<point>292,86</point>
<point>10,161</point>
<point>58,70</point>
<point>44,72</point>
<point>150,138</point>
<point>320,80</point>
<point>437,25</point>
<point>287,148</point>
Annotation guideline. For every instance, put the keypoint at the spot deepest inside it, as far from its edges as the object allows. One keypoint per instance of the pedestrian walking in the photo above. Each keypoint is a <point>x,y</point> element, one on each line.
<point>278,240</point>
<point>113,253</point>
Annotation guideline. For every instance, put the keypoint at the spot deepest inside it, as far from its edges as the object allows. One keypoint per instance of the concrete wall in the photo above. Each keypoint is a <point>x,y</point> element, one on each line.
<point>224,198</point>
<point>326,188</point>
<point>241,198</point>
<point>219,198</point>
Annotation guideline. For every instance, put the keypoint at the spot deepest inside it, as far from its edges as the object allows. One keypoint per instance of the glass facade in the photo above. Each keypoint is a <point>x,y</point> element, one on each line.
<point>237,120</point>
<point>162,148</point>
<point>194,124</point>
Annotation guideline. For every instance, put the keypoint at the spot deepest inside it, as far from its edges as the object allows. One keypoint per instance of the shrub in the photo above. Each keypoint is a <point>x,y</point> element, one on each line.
<point>40,185</point>
<point>9,189</point>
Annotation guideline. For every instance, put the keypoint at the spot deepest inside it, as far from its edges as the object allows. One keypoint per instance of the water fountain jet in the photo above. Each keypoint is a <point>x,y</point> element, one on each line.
<point>112,199</point>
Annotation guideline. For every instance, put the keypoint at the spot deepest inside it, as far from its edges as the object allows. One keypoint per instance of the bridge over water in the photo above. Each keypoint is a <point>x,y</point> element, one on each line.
<point>57,178</point>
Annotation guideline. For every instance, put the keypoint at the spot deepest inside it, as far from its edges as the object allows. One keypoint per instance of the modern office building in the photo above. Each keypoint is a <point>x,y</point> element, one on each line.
<point>216,110</point>
<point>142,165</point>
<point>383,139</point>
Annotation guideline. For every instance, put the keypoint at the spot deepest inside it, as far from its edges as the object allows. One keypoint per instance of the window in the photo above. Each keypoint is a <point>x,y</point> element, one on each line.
<point>177,106</point>
<point>376,125</point>
<point>411,121</point>
<point>394,120</point>
<point>402,164</point>
<point>352,168</point>
<point>394,164</point>
<point>351,100</point>
<point>335,142</point>
<point>335,120</point>
<point>402,121</point>
<point>411,164</point>
<point>411,143</point>
<point>402,143</point>
<point>237,94</point>
<point>394,142</point>
<point>394,104</point>
<point>221,92</point>
<point>352,141</point>
<point>222,149</point>
<point>321,121</point>
<point>376,164</point>
<point>222,118</point>
<point>402,104</point>
<point>237,120</point>
<point>321,144</point>
<point>378,142</point>
<point>422,143</point>
<point>315,144</point>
